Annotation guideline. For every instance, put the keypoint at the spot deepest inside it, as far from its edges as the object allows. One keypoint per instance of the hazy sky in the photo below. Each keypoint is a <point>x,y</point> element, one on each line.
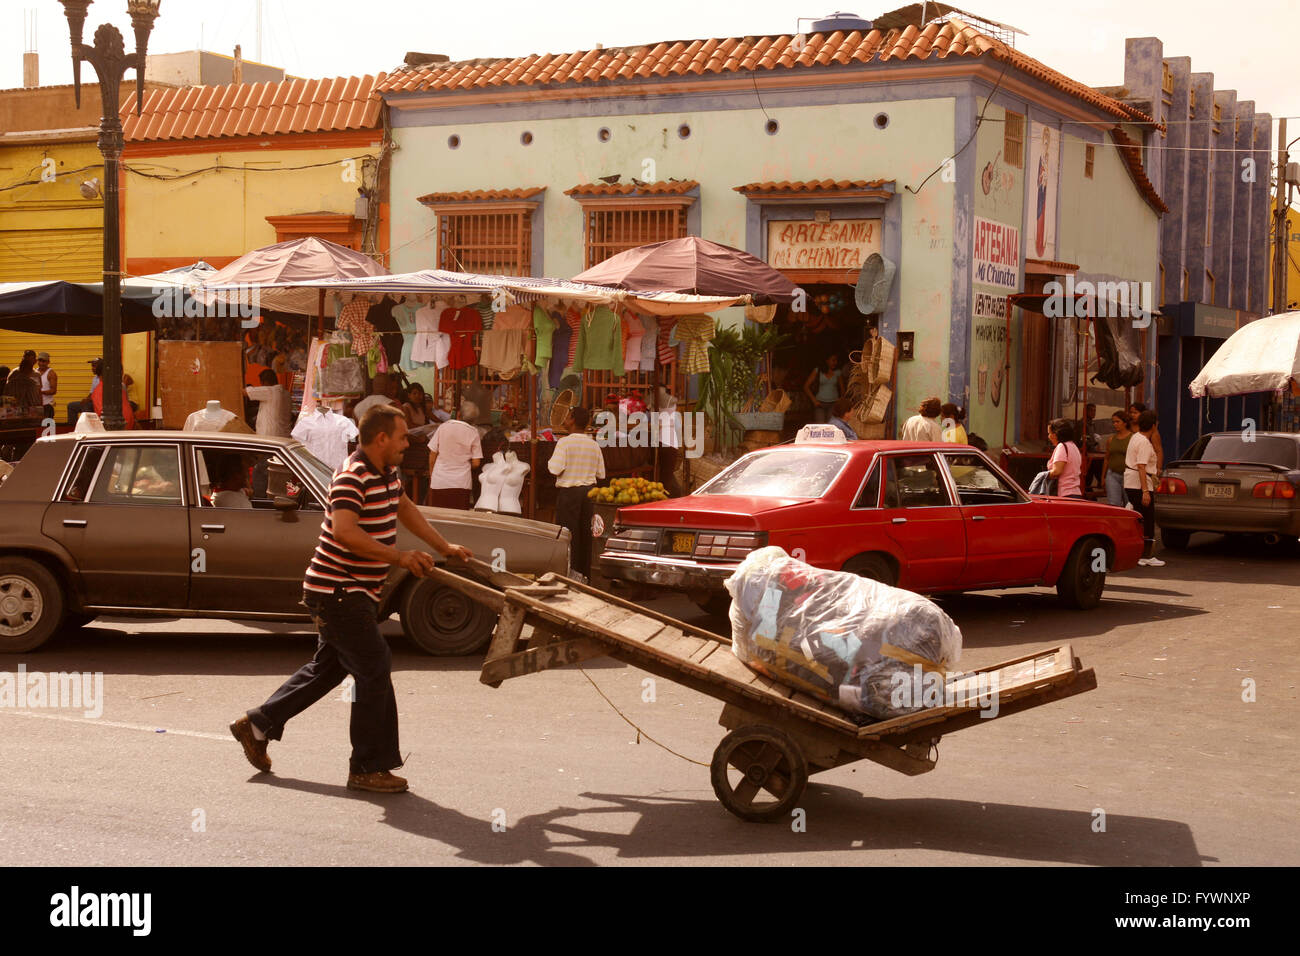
<point>318,38</point>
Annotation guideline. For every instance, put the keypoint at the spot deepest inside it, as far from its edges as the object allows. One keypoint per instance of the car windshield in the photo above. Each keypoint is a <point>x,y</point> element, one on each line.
<point>322,472</point>
<point>1270,450</point>
<point>799,474</point>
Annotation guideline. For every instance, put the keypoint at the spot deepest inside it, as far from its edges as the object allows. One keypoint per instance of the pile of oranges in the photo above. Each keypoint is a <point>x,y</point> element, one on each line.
<point>629,491</point>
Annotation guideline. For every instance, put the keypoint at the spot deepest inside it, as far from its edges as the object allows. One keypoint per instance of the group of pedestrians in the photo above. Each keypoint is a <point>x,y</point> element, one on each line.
<point>33,383</point>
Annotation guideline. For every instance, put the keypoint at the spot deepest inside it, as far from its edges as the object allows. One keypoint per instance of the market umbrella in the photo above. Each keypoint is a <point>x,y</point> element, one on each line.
<point>298,262</point>
<point>691,265</point>
<point>77,308</point>
<point>1261,356</point>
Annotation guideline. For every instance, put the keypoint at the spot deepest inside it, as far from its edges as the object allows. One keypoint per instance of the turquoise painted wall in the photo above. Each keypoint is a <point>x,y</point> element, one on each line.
<point>726,148</point>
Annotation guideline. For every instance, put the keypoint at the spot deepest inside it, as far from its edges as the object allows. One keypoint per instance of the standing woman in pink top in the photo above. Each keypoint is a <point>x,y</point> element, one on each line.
<point>1066,463</point>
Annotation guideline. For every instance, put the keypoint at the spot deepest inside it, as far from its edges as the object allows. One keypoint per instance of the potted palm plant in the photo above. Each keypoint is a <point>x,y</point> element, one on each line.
<point>731,384</point>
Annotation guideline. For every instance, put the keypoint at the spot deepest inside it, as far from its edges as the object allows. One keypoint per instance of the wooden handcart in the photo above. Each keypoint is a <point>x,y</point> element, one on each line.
<point>778,736</point>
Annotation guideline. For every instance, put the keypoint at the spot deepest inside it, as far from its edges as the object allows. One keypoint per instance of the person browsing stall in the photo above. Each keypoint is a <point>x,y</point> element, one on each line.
<point>273,405</point>
<point>455,450</point>
<point>342,586</point>
<point>577,464</point>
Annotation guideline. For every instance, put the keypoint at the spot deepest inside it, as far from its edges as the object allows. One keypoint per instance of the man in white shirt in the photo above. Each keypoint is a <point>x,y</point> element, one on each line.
<point>273,405</point>
<point>455,449</point>
<point>577,463</point>
<point>1140,475</point>
<point>923,426</point>
<point>383,391</point>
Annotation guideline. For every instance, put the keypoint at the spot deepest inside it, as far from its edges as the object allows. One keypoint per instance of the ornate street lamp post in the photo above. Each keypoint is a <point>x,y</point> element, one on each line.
<point>111,61</point>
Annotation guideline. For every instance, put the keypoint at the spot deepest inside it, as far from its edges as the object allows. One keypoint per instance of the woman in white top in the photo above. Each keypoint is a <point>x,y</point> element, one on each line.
<point>1141,468</point>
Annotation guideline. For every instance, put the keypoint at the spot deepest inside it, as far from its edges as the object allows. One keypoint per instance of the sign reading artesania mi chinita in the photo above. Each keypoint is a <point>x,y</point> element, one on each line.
<point>837,244</point>
<point>997,254</point>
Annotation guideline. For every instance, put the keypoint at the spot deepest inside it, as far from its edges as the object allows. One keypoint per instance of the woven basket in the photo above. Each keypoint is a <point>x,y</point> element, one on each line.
<point>777,401</point>
<point>705,469</point>
<point>560,409</point>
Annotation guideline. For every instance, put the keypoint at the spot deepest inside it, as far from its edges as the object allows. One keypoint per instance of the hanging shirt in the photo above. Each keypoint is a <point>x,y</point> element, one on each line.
<point>404,316</point>
<point>544,327</point>
<point>461,324</point>
<point>667,351</point>
<point>633,332</point>
<point>352,319</point>
<point>649,342</point>
<point>574,319</point>
<point>484,309</point>
<point>600,341</point>
<point>504,343</point>
<point>695,332</point>
<point>560,343</point>
<point>431,344</point>
<point>326,435</point>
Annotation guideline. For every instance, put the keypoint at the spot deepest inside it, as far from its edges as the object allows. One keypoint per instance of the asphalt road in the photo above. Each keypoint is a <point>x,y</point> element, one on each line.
<point>1164,764</point>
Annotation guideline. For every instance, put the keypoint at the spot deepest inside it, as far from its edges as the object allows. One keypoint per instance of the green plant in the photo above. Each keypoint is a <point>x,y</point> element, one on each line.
<point>732,379</point>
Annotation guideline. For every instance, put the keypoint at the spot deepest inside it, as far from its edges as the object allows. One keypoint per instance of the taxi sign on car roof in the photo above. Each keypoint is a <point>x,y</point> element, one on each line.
<point>821,434</point>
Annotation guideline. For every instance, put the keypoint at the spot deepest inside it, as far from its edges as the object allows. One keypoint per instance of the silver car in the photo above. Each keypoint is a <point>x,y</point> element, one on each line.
<point>1232,483</point>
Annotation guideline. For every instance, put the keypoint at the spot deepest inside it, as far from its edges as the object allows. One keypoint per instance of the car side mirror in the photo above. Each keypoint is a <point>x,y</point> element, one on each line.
<point>285,504</point>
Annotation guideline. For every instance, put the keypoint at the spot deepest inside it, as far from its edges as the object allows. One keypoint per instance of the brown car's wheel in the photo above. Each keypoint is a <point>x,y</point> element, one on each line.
<point>31,604</point>
<point>444,622</point>
<point>759,774</point>
<point>1080,585</point>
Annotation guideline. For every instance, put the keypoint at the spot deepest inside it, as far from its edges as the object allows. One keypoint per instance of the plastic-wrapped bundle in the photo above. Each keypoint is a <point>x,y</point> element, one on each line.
<point>835,635</point>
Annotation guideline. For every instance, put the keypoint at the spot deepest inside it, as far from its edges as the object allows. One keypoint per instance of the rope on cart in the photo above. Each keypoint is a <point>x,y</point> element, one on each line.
<point>639,732</point>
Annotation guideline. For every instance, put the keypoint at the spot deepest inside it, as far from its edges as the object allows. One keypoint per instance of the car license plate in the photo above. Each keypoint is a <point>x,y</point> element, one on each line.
<point>1218,491</point>
<point>683,543</point>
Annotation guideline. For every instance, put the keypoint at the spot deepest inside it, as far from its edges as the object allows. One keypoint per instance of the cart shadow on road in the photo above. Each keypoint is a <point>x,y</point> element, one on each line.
<point>838,820</point>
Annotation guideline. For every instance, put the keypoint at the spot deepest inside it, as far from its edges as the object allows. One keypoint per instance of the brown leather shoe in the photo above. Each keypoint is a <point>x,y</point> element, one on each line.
<point>254,749</point>
<point>381,781</point>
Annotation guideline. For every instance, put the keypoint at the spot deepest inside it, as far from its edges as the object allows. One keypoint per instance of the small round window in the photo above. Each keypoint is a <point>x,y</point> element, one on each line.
<point>882,120</point>
<point>526,138</point>
<point>603,134</point>
<point>684,131</point>
<point>771,127</point>
<point>453,141</point>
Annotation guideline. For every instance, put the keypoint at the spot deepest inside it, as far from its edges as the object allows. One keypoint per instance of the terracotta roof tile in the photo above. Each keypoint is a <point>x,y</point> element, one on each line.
<point>670,188</point>
<point>1131,152</point>
<point>815,186</point>
<point>256,109</point>
<point>478,195</point>
<point>738,54</point>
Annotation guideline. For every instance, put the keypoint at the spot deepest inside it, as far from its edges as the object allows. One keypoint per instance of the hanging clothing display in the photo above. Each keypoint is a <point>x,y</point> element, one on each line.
<point>432,344</point>
<point>352,319</point>
<point>600,341</point>
<point>649,341</point>
<point>461,324</point>
<point>504,343</point>
<point>667,351</point>
<point>561,340</point>
<point>404,315</point>
<point>695,332</point>
<point>484,308</point>
<point>544,327</point>
<point>574,319</point>
<point>633,332</point>
<point>326,435</point>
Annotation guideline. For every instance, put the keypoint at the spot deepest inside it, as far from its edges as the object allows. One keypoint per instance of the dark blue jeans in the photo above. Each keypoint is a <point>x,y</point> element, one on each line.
<point>350,643</point>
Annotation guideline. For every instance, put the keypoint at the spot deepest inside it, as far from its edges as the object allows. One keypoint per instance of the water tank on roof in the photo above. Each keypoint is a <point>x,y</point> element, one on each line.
<point>845,22</point>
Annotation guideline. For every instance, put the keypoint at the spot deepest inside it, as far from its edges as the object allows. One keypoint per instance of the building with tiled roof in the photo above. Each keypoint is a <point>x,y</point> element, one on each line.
<point>214,171</point>
<point>935,143</point>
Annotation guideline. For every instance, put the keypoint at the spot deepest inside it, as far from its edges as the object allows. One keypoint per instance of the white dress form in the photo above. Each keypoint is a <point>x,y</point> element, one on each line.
<point>513,484</point>
<point>491,479</point>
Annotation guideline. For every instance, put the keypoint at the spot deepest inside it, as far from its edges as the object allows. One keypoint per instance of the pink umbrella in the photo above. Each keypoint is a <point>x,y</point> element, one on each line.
<point>692,265</point>
<point>299,261</point>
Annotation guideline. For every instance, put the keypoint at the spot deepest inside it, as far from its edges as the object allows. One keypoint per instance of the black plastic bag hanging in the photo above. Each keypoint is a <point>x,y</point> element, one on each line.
<point>1118,363</point>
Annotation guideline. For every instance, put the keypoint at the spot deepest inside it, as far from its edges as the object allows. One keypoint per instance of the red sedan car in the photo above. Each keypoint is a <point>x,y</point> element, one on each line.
<point>926,517</point>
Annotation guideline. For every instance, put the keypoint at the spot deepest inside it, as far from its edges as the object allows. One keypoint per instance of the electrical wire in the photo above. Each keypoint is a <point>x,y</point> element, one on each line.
<point>978,122</point>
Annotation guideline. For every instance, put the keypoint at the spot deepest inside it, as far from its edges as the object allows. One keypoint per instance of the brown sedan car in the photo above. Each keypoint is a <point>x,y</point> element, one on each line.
<point>206,524</point>
<point>1232,483</point>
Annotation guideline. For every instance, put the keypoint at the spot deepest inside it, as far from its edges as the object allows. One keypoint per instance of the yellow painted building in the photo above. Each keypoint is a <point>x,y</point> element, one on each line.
<point>50,230</point>
<point>1293,260</point>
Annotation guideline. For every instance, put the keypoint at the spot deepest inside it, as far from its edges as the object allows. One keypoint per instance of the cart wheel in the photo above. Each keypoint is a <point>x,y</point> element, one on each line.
<point>759,774</point>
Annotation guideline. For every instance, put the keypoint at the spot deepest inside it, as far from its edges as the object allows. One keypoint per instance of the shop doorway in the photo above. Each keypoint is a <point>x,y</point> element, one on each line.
<point>831,325</point>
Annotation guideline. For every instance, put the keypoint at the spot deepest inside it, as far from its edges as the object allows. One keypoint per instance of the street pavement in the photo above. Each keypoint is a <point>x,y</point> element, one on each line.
<point>1164,764</point>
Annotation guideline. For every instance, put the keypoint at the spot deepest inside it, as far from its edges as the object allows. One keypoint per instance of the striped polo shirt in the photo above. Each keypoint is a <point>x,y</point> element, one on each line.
<point>577,462</point>
<point>374,496</point>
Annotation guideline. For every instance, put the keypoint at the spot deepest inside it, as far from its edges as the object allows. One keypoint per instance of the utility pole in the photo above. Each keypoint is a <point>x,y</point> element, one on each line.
<point>1279,223</point>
